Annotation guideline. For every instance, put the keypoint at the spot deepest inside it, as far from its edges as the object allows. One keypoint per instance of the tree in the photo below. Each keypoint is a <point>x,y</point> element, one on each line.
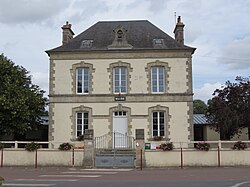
<point>228,111</point>
<point>21,102</point>
<point>199,107</point>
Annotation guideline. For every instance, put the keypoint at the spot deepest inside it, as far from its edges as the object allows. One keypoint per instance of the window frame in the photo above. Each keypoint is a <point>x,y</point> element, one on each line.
<point>120,80</point>
<point>83,124</point>
<point>158,91</point>
<point>82,80</point>
<point>73,118</point>
<point>159,130</point>
<point>166,71</point>
<point>110,70</point>
<point>73,72</point>
<point>167,118</point>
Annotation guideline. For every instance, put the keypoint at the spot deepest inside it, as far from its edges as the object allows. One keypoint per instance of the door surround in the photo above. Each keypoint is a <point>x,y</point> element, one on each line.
<point>120,107</point>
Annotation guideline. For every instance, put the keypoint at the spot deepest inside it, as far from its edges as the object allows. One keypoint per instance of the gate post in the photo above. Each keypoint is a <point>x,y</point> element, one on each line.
<point>140,148</point>
<point>88,159</point>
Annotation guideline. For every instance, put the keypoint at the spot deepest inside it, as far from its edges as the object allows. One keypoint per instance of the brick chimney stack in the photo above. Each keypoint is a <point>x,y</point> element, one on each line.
<point>67,33</point>
<point>179,31</point>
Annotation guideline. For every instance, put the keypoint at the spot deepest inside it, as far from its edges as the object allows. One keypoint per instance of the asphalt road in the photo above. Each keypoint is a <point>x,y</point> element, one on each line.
<point>170,177</point>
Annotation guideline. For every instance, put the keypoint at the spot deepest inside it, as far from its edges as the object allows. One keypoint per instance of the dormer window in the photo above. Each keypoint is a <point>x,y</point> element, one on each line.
<point>120,39</point>
<point>86,44</point>
<point>158,42</point>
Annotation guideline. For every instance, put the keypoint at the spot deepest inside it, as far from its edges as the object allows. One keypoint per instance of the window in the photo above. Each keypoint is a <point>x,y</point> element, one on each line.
<point>120,113</point>
<point>82,80</point>
<point>82,122</point>
<point>157,79</point>
<point>158,123</point>
<point>120,79</point>
<point>86,44</point>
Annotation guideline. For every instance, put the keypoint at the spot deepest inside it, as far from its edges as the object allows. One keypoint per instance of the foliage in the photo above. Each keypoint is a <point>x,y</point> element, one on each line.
<point>167,146</point>
<point>31,146</point>
<point>202,146</point>
<point>240,145</point>
<point>199,107</point>
<point>65,146</point>
<point>21,102</point>
<point>228,111</point>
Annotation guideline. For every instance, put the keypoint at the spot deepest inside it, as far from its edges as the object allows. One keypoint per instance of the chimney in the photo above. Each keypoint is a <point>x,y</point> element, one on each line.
<point>179,31</point>
<point>67,33</point>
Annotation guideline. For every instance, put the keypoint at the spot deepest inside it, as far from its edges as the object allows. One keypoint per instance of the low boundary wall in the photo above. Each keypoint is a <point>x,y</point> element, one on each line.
<point>43,157</point>
<point>193,157</point>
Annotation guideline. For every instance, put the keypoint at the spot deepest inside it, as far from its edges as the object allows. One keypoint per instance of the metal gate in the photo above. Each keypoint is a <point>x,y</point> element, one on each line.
<point>114,150</point>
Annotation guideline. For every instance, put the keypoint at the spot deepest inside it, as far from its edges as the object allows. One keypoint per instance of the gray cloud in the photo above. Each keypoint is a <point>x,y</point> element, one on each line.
<point>30,11</point>
<point>236,54</point>
<point>83,10</point>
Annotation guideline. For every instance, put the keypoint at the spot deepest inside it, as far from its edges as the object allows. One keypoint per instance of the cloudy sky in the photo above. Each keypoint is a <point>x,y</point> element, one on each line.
<point>219,29</point>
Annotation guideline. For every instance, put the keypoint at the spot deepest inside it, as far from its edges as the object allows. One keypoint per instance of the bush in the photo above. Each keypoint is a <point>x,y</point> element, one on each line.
<point>167,146</point>
<point>240,145</point>
<point>65,146</point>
<point>202,146</point>
<point>31,146</point>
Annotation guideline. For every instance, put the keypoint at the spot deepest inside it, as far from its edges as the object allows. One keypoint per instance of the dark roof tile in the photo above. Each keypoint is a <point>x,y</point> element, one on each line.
<point>140,34</point>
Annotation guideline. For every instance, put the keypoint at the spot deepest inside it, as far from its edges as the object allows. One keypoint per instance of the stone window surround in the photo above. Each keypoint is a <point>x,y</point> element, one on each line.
<point>158,108</point>
<point>111,75</point>
<point>82,64</point>
<point>158,63</point>
<point>75,110</point>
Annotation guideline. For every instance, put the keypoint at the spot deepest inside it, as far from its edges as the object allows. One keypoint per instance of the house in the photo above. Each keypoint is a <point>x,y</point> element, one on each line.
<point>202,131</point>
<point>119,76</point>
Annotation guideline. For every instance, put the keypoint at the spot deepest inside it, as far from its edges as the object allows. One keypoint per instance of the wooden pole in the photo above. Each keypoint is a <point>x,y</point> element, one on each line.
<point>181,158</point>
<point>36,159</point>
<point>218,156</point>
<point>141,159</point>
<point>73,156</point>
<point>2,158</point>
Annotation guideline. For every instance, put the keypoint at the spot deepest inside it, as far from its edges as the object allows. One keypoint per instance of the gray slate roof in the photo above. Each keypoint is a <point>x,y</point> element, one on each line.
<point>140,35</point>
<point>200,119</point>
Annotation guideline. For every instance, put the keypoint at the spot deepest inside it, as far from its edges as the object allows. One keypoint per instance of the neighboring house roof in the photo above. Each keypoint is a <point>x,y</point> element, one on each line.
<point>139,34</point>
<point>200,119</point>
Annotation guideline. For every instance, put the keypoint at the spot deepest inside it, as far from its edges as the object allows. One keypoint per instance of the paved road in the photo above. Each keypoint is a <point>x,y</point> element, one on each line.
<point>172,177</point>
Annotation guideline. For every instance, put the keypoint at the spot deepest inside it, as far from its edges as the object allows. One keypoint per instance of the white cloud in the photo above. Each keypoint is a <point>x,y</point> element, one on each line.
<point>205,92</point>
<point>41,79</point>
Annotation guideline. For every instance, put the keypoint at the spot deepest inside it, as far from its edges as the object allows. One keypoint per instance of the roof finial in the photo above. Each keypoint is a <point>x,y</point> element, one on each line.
<point>179,19</point>
<point>175,17</point>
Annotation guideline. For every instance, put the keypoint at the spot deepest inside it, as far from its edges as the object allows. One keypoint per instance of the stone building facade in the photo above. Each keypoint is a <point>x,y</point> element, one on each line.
<point>118,76</point>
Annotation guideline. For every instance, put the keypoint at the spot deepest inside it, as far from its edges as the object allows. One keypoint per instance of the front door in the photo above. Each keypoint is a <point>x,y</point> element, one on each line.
<point>120,129</point>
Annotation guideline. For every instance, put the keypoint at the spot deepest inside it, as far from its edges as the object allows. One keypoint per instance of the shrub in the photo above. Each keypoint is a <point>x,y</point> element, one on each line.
<point>202,146</point>
<point>240,145</point>
<point>167,146</point>
<point>31,146</point>
<point>65,146</point>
